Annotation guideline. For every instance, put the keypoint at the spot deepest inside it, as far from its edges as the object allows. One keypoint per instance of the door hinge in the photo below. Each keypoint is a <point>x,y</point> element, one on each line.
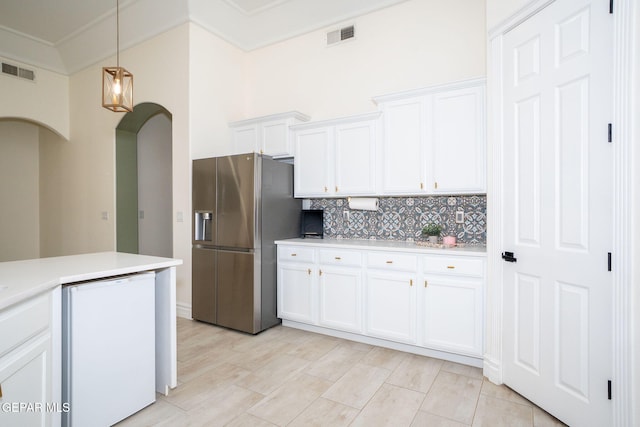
<point>608,261</point>
<point>610,133</point>
<point>610,6</point>
<point>609,389</point>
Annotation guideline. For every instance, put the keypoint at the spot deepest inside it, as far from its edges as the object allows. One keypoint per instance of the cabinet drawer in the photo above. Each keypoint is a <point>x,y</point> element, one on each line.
<point>295,254</point>
<point>23,321</point>
<point>460,266</point>
<point>340,257</point>
<point>392,261</point>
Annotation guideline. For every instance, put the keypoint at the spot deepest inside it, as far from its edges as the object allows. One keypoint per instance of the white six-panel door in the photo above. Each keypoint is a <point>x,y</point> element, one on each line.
<point>558,211</point>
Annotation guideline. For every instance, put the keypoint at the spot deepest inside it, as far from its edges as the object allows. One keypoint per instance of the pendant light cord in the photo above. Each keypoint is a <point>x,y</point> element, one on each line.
<point>118,33</point>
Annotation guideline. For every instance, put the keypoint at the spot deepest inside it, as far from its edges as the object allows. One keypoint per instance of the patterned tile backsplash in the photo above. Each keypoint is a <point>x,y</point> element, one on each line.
<point>402,218</point>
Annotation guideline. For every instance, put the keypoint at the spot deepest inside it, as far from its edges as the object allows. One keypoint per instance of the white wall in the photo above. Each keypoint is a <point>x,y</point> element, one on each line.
<point>19,191</point>
<point>155,219</point>
<point>414,44</point>
<point>44,101</point>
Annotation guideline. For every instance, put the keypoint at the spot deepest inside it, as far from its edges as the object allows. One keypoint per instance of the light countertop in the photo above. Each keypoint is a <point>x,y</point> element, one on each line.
<point>387,245</point>
<point>20,280</point>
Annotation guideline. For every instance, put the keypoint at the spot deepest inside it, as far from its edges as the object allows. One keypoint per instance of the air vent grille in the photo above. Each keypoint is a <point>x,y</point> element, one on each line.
<point>16,71</point>
<point>341,35</point>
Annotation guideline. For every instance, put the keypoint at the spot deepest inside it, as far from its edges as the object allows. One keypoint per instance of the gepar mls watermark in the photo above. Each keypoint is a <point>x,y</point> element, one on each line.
<point>26,407</point>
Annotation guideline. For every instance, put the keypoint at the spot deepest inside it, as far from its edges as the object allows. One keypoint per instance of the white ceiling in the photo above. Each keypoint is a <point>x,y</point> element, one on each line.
<point>68,35</point>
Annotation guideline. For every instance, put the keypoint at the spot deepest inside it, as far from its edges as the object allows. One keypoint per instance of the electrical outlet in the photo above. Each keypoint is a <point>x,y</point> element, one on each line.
<point>179,216</point>
<point>345,216</point>
<point>459,217</point>
<point>105,216</point>
<point>140,214</point>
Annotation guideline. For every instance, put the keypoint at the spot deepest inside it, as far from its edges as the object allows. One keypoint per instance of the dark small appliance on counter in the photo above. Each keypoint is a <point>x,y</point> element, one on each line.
<point>312,223</point>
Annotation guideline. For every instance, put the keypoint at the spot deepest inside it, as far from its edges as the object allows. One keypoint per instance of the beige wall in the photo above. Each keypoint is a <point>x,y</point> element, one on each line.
<point>19,189</point>
<point>499,10</point>
<point>411,45</point>
<point>44,100</point>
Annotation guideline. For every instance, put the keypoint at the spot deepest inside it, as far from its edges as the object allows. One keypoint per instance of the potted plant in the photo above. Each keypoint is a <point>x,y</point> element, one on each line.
<point>432,231</point>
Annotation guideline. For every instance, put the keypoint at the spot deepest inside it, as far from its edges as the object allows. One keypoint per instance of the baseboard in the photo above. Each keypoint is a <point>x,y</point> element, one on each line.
<point>183,310</point>
<point>492,370</point>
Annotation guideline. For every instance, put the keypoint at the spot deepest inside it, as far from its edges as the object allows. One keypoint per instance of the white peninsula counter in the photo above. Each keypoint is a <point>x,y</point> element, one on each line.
<point>31,327</point>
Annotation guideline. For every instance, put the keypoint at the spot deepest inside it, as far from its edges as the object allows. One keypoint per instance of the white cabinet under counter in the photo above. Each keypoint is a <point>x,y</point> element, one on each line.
<point>393,294</point>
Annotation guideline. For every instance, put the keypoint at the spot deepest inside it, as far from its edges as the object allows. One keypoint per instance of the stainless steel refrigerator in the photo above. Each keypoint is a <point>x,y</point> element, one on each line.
<point>241,205</point>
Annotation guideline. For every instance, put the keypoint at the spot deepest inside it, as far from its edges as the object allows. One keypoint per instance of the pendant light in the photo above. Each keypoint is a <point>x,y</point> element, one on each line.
<point>117,83</point>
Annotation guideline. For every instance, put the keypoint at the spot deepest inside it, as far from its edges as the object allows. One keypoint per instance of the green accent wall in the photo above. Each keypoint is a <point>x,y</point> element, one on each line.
<point>126,192</point>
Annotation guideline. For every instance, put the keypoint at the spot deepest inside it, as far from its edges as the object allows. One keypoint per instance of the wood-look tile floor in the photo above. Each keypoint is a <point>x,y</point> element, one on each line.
<point>288,377</point>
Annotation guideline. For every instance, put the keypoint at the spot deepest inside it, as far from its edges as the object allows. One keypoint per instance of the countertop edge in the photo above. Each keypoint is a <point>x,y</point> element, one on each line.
<point>37,276</point>
<point>385,245</point>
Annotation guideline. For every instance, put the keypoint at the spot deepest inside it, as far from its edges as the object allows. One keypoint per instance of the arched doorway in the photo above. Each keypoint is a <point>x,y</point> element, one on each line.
<point>144,182</point>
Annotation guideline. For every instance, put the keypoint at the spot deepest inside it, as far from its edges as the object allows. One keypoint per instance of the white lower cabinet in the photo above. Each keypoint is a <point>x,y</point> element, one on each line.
<point>420,301</point>
<point>26,364</point>
<point>340,298</point>
<point>391,306</point>
<point>295,297</point>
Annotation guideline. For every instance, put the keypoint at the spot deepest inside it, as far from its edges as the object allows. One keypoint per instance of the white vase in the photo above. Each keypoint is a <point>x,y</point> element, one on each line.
<point>433,239</point>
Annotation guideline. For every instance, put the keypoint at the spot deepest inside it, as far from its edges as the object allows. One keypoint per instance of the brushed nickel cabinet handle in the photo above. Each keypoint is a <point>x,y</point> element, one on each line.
<point>320,273</point>
<point>435,185</point>
<point>294,254</point>
<point>0,391</point>
<point>389,262</point>
<point>338,258</point>
<point>410,282</point>
<point>309,271</point>
<point>422,186</point>
<point>425,283</point>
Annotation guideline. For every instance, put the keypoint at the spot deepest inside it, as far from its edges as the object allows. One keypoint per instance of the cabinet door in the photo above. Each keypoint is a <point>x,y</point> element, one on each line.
<point>313,173</point>
<point>340,298</point>
<point>296,292</point>
<point>391,306</point>
<point>25,378</point>
<point>355,158</point>
<point>274,138</point>
<point>453,315</point>
<point>245,139</point>
<point>403,153</point>
<point>458,141</point>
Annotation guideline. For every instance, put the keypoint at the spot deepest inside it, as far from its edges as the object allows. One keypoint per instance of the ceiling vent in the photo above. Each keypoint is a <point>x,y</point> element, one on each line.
<point>341,35</point>
<point>16,71</point>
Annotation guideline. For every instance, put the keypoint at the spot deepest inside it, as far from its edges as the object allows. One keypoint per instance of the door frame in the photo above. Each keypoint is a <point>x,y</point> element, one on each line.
<point>625,66</point>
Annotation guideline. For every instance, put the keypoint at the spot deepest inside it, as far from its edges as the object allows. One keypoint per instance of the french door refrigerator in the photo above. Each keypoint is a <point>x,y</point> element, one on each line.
<point>241,205</point>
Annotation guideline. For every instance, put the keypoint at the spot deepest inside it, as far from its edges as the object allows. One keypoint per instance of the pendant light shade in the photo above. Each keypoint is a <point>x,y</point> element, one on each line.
<point>117,83</point>
<point>117,89</point>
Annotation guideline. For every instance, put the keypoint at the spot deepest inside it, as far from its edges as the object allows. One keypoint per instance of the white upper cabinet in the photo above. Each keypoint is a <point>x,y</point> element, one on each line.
<point>266,135</point>
<point>336,158</point>
<point>403,148</point>
<point>433,140</point>
<point>458,135</point>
